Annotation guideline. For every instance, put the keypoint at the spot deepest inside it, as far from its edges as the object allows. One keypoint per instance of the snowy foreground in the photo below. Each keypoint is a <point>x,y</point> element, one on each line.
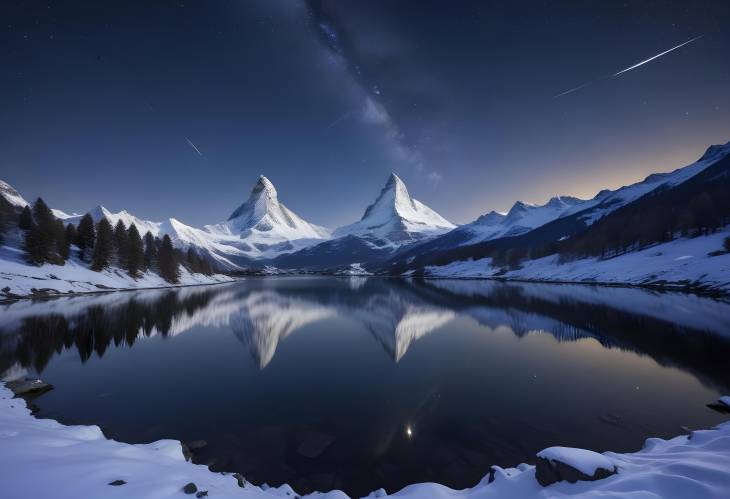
<point>679,263</point>
<point>42,458</point>
<point>18,278</point>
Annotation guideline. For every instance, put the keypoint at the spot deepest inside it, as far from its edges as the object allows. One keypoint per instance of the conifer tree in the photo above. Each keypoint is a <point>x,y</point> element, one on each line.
<point>7,214</point>
<point>25,222</point>
<point>120,243</point>
<point>150,251</point>
<point>167,261</point>
<point>104,247</point>
<point>63,245</point>
<point>71,234</point>
<point>84,239</point>
<point>40,238</point>
<point>135,251</point>
<point>193,261</point>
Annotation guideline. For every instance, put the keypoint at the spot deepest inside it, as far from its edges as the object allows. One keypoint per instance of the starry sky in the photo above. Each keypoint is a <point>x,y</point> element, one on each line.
<point>174,108</point>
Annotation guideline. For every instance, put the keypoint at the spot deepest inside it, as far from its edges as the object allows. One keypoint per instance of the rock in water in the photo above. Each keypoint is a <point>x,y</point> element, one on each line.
<point>28,386</point>
<point>556,464</point>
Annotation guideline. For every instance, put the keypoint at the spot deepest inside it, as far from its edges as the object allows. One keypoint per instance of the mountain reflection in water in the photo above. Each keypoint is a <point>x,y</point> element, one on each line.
<point>468,397</point>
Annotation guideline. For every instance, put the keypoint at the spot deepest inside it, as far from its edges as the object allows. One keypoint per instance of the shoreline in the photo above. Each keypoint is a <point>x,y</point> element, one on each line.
<point>151,469</point>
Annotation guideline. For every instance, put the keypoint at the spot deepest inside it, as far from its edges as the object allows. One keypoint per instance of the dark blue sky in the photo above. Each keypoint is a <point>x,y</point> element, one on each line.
<point>326,98</point>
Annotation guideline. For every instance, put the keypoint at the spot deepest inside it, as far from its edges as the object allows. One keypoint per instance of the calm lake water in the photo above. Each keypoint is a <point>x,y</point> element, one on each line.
<point>361,383</point>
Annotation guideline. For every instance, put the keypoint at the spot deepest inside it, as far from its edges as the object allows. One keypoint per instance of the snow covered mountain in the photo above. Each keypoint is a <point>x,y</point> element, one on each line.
<point>12,196</point>
<point>395,219</point>
<point>262,227</point>
<point>524,217</point>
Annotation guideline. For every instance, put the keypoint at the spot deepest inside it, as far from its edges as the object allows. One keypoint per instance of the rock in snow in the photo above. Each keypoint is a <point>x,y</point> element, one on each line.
<point>42,458</point>
<point>556,464</point>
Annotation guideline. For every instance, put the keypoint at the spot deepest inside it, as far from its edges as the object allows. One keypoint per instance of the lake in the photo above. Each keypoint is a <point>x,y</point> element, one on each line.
<point>359,383</point>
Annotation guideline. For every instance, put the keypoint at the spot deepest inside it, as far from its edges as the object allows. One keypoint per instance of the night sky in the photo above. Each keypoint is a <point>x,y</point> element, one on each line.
<point>174,108</point>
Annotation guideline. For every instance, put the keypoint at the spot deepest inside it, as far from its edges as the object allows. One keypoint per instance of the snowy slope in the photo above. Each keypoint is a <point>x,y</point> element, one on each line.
<point>262,227</point>
<point>395,218</point>
<point>524,217</point>
<point>676,263</point>
<point>11,195</point>
<point>78,461</point>
<point>18,278</point>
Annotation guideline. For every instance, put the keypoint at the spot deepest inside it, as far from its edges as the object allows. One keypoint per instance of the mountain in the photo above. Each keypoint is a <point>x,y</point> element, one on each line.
<point>395,218</point>
<point>574,217</point>
<point>262,227</point>
<point>99,212</point>
<point>12,196</point>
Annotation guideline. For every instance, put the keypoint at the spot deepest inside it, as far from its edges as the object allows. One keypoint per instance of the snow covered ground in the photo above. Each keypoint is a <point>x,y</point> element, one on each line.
<point>42,458</point>
<point>18,278</point>
<point>677,263</point>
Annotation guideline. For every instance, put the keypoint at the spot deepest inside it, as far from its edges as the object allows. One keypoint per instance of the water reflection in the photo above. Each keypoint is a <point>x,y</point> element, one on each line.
<point>675,329</point>
<point>360,383</point>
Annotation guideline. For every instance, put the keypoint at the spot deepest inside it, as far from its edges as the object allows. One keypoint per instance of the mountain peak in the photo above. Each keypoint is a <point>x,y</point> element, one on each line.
<point>262,199</point>
<point>265,185</point>
<point>11,195</point>
<point>397,218</point>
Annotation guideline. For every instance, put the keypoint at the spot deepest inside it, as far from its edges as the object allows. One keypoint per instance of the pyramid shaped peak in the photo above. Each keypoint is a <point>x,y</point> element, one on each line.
<point>264,185</point>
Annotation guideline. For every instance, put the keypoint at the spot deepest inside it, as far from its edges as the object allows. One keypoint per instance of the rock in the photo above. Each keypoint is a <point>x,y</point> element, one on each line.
<point>202,493</point>
<point>28,386</point>
<point>187,453</point>
<point>197,444</point>
<point>722,405</point>
<point>551,468</point>
<point>313,444</point>
<point>190,488</point>
<point>240,479</point>
<point>117,483</point>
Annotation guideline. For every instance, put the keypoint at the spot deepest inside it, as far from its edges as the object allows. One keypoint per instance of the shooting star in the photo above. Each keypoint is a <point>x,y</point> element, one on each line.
<point>627,69</point>
<point>656,56</point>
<point>193,146</point>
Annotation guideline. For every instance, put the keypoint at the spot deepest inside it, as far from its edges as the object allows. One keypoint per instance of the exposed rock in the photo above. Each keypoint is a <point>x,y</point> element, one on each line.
<point>240,479</point>
<point>190,488</point>
<point>28,386</point>
<point>550,469</point>
<point>197,444</point>
<point>117,483</point>
<point>202,493</point>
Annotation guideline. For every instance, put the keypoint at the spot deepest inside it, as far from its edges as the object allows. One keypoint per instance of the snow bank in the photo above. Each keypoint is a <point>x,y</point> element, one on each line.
<point>585,461</point>
<point>42,458</point>
<point>18,278</point>
<point>677,263</point>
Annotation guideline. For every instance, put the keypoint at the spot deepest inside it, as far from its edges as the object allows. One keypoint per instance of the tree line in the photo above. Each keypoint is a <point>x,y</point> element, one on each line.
<point>47,240</point>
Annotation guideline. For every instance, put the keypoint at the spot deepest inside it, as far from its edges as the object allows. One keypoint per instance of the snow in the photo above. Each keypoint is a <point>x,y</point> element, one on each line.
<point>395,218</point>
<point>664,264</point>
<point>42,458</point>
<point>355,269</point>
<point>18,278</point>
<point>585,461</point>
<point>11,195</point>
<point>524,217</point>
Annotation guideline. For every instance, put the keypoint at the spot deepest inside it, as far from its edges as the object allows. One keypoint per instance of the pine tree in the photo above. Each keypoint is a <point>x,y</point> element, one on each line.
<point>70,234</point>
<point>63,244</point>
<point>167,261</point>
<point>84,239</point>
<point>150,251</point>
<point>193,261</point>
<point>135,251</point>
<point>104,247</point>
<point>25,222</point>
<point>41,237</point>
<point>120,243</point>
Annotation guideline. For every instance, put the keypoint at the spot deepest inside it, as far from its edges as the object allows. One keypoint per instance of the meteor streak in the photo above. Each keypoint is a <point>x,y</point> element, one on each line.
<point>627,69</point>
<point>193,146</point>
<point>656,56</point>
